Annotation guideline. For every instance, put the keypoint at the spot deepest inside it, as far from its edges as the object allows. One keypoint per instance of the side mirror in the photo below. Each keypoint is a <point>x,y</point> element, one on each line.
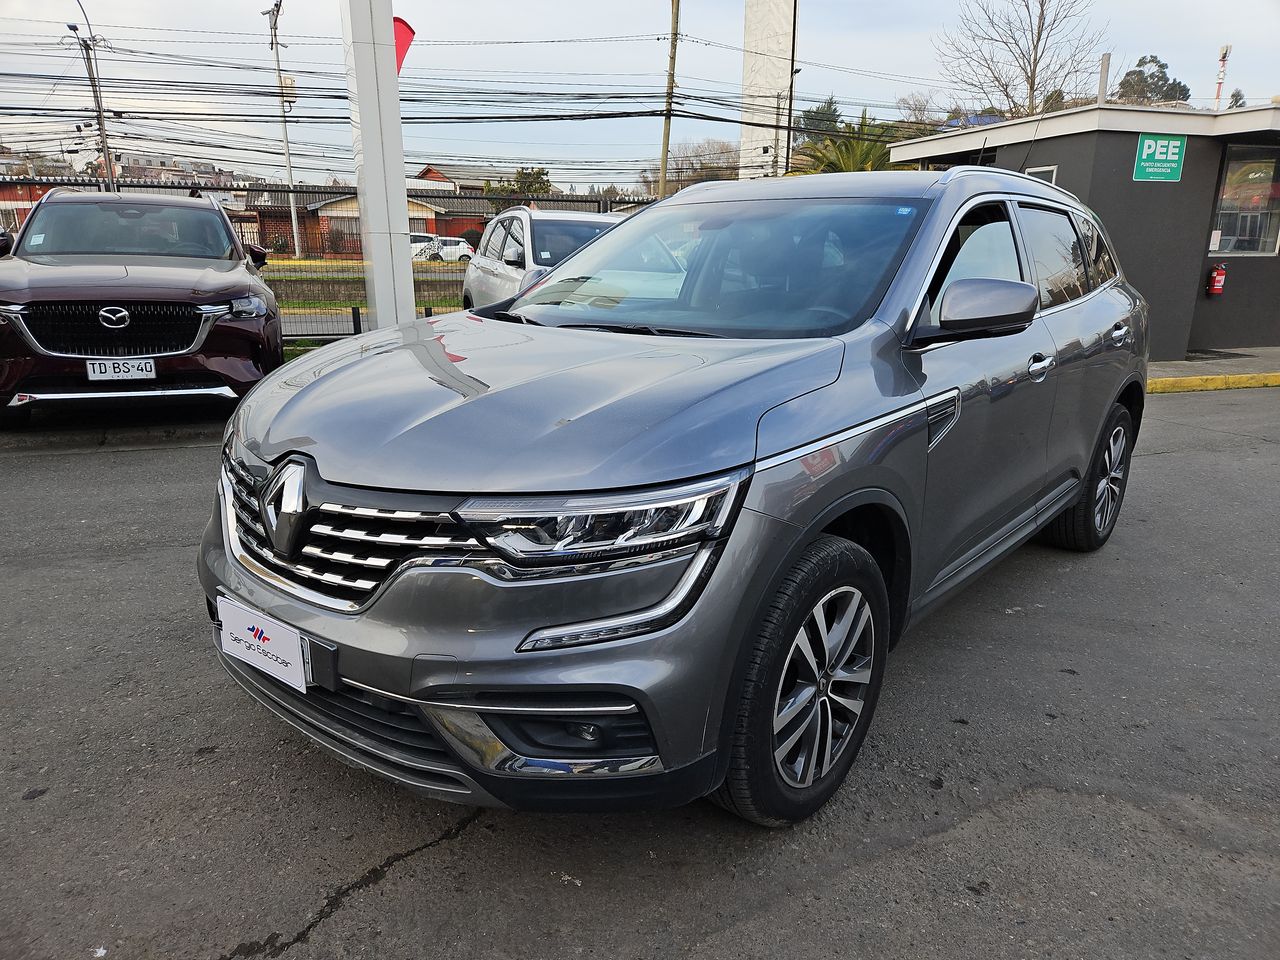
<point>257,254</point>
<point>6,243</point>
<point>513,256</point>
<point>532,278</point>
<point>988,306</point>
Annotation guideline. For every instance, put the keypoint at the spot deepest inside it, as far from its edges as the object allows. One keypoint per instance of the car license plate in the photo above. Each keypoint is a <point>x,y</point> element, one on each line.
<point>121,369</point>
<point>258,640</point>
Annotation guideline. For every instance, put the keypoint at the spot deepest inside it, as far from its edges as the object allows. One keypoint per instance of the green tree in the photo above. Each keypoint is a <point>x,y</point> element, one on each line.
<point>1149,82</point>
<point>850,148</point>
<point>1237,100</point>
<point>528,181</point>
<point>818,121</point>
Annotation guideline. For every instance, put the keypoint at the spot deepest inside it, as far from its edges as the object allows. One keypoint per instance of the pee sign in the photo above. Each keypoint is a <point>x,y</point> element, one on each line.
<point>1159,157</point>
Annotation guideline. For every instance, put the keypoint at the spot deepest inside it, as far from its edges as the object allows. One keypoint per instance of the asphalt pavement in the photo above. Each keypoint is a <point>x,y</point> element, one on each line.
<point>1078,757</point>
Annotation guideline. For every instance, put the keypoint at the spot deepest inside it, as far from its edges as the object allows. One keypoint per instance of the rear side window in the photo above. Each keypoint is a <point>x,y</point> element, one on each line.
<point>1055,253</point>
<point>1102,266</point>
<point>491,246</point>
<point>982,247</point>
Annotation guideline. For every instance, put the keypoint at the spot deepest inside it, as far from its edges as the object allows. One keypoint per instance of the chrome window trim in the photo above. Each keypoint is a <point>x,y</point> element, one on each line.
<point>209,315</point>
<point>795,453</point>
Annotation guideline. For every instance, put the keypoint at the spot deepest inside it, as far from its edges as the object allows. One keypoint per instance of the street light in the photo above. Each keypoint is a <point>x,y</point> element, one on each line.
<point>88,49</point>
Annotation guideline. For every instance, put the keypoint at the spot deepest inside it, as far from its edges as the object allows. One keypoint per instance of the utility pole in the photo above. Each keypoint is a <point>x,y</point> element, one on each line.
<point>274,14</point>
<point>1104,79</point>
<point>671,93</point>
<point>791,83</point>
<point>1223,54</point>
<point>87,51</point>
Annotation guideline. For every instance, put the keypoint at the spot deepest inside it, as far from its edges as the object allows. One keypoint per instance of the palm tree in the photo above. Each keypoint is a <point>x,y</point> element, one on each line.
<point>850,148</point>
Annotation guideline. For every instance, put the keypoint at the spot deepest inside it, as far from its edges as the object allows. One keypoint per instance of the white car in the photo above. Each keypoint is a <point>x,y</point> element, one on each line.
<point>522,239</point>
<point>426,246</point>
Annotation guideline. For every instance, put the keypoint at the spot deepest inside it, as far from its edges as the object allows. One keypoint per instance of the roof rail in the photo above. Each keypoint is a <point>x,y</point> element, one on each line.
<point>64,188</point>
<point>964,170</point>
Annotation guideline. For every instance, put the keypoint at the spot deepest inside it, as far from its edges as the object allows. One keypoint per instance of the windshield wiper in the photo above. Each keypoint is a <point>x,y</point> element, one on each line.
<point>640,328</point>
<point>509,317</point>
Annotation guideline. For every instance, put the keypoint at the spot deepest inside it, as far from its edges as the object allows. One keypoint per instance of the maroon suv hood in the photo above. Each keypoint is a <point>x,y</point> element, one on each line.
<point>24,279</point>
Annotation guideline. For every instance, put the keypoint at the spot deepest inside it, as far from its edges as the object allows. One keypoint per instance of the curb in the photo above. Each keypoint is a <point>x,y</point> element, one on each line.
<point>1222,381</point>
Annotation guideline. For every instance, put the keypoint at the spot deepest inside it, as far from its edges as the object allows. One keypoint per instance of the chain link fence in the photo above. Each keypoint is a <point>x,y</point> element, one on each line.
<point>319,284</point>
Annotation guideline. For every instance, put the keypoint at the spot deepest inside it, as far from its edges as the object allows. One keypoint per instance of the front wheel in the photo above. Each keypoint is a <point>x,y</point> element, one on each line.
<point>811,686</point>
<point>1088,523</point>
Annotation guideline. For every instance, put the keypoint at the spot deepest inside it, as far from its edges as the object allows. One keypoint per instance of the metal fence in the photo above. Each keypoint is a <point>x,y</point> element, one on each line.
<point>320,287</point>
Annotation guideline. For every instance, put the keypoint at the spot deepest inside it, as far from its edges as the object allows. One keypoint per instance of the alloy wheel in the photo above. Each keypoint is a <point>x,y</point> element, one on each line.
<point>822,690</point>
<point>1106,499</point>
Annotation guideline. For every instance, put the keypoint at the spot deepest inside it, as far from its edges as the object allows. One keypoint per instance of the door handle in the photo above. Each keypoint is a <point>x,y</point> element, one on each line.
<point>1039,366</point>
<point>1119,333</point>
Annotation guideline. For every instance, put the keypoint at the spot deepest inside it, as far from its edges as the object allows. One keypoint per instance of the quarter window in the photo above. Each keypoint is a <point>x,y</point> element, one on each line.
<point>1055,252</point>
<point>982,247</point>
<point>1102,266</point>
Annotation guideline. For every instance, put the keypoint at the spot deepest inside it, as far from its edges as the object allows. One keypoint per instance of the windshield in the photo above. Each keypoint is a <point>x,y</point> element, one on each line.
<point>742,268</point>
<point>553,240</point>
<point>115,227</point>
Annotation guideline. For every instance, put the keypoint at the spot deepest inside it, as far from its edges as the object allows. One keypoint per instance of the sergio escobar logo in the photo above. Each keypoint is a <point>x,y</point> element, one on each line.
<point>258,646</point>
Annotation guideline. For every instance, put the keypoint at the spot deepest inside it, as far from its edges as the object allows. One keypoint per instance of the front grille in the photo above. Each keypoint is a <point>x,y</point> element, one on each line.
<point>154,329</point>
<point>346,550</point>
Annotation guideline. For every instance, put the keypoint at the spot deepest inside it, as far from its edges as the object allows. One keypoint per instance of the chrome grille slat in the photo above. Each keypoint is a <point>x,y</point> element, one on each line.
<point>344,563</point>
<point>392,539</point>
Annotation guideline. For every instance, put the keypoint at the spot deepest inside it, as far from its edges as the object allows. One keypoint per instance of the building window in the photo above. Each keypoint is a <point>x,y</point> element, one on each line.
<point>1047,174</point>
<point>1247,221</point>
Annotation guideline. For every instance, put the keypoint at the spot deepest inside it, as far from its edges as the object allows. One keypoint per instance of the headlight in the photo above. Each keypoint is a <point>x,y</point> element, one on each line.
<point>249,307</point>
<point>588,528</point>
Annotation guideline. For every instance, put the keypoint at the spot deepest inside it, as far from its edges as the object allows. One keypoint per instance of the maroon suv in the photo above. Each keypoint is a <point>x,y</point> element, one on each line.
<point>138,296</point>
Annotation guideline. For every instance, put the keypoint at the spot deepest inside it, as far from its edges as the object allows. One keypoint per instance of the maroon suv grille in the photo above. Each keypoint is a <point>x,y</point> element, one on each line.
<point>74,328</point>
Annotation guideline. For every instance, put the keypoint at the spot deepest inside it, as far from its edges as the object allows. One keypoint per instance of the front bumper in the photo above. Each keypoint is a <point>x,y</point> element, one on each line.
<point>441,643</point>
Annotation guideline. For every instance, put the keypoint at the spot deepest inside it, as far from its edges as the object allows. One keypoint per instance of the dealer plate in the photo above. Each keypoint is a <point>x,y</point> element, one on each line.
<point>260,641</point>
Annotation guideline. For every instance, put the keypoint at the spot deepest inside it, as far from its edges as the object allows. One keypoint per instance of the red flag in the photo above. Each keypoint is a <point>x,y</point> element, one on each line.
<point>404,37</point>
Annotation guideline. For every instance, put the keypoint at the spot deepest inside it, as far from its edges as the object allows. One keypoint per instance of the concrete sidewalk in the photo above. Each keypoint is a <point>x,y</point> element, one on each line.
<point>1217,370</point>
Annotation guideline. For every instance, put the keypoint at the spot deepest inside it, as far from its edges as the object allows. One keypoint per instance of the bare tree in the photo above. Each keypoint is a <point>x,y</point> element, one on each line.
<point>693,162</point>
<point>1011,54</point>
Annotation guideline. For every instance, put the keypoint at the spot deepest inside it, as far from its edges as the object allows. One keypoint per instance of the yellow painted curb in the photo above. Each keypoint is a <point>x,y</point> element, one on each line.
<point>1223,381</point>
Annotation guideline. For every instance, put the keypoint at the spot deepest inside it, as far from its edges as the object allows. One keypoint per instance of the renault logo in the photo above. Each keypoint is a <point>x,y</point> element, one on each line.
<point>113,318</point>
<point>282,506</point>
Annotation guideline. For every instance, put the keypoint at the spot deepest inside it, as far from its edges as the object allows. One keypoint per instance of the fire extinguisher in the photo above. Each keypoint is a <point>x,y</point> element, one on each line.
<point>1217,280</point>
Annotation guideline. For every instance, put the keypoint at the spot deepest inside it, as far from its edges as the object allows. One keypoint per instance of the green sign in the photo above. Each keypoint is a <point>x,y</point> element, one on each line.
<point>1159,157</point>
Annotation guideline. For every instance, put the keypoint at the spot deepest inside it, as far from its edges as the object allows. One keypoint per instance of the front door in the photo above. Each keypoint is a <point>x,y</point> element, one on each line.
<point>990,406</point>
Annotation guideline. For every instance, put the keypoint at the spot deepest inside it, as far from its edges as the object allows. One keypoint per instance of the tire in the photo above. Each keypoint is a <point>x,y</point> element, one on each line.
<point>435,258</point>
<point>1088,523</point>
<point>842,579</point>
<point>466,303</point>
<point>465,258</point>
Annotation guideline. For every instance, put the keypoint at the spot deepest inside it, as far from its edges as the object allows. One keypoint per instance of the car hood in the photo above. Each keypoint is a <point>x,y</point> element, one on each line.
<point>459,404</point>
<point>191,279</point>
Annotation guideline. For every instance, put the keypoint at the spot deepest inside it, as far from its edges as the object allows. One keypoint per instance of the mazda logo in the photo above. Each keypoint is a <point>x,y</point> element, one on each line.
<point>282,506</point>
<point>113,318</point>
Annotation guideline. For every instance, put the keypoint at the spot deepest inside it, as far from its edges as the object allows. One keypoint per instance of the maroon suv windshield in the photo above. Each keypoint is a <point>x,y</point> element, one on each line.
<point>113,227</point>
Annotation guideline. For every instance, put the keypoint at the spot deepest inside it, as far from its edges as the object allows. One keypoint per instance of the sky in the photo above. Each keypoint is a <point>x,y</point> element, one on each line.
<point>192,61</point>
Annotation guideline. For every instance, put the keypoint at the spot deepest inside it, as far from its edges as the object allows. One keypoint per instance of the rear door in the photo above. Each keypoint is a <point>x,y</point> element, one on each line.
<point>484,267</point>
<point>1088,318</point>
<point>990,404</point>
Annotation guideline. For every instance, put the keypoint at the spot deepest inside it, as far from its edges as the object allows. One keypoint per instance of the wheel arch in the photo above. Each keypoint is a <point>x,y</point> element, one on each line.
<point>1133,398</point>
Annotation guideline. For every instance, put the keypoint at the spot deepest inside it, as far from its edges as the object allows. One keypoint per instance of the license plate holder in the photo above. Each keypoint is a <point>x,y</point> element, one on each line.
<point>265,643</point>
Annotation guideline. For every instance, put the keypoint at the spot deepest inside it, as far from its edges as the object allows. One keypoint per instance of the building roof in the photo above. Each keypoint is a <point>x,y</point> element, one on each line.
<point>1093,118</point>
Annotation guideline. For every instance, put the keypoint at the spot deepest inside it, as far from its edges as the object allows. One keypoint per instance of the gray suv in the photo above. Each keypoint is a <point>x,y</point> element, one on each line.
<point>647,532</point>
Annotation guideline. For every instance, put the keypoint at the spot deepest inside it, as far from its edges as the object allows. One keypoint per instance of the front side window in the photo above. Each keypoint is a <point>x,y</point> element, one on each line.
<point>117,227</point>
<point>1247,220</point>
<point>740,268</point>
<point>553,240</point>
<point>513,249</point>
<point>1055,253</point>
<point>982,247</point>
<point>1102,266</point>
